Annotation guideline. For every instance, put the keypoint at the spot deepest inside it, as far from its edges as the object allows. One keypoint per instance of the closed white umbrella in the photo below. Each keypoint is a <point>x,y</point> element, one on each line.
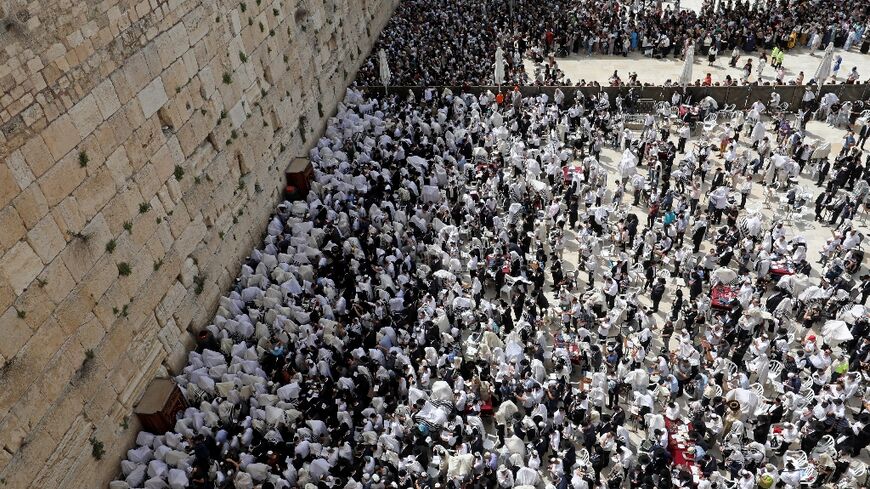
<point>384,68</point>
<point>824,69</point>
<point>686,75</point>
<point>499,67</point>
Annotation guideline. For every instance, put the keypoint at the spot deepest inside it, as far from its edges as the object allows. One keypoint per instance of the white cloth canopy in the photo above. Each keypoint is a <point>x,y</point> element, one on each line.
<point>499,66</point>
<point>724,275</point>
<point>628,164</point>
<point>384,68</point>
<point>835,332</point>
<point>686,74</point>
<point>824,69</point>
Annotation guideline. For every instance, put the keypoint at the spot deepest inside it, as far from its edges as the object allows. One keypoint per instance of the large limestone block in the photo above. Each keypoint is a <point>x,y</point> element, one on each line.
<point>46,239</point>
<point>31,205</point>
<point>20,171</point>
<point>8,186</point>
<point>86,115</point>
<point>20,265</point>
<point>12,226</point>
<point>14,331</point>
<point>37,155</point>
<point>98,189</point>
<point>57,280</point>
<point>152,97</point>
<point>62,179</point>
<point>61,136</point>
<point>107,99</point>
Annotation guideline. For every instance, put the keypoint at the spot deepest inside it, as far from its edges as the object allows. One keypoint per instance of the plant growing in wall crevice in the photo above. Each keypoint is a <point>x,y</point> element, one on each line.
<point>303,122</point>
<point>86,366</point>
<point>97,448</point>
<point>81,236</point>
<point>199,284</point>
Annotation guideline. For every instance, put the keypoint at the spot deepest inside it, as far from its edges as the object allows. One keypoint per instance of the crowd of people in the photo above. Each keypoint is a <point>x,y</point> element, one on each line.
<point>469,296</point>
<point>432,42</point>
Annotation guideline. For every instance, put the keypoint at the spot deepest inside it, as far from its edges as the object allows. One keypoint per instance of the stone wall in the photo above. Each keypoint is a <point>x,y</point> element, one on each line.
<point>142,148</point>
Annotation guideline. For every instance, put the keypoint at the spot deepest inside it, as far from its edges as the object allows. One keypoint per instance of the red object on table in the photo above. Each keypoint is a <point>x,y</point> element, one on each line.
<point>679,450</point>
<point>782,268</point>
<point>486,408</point>
<point>568,171</point>
<point>573,348</point>
<point>721,297</point>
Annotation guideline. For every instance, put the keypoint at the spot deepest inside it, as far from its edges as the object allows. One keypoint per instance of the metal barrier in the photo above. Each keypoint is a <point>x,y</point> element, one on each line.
<point>742,97</point>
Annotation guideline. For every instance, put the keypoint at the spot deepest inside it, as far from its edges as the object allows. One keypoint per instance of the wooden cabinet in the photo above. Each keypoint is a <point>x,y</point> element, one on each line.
<point>159,405</point>
<point>299,175</point>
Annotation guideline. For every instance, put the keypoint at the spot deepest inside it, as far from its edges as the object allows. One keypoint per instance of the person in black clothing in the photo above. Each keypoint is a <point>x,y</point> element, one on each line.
<point>718,179</point>
<point>709,465</point>
<point>698,237</point>
<point>762,428</point>
<point>658,291</point>
<point>695,284</point>
<point>556,272</point>
<point>824,168</point>
<point>862,136</point>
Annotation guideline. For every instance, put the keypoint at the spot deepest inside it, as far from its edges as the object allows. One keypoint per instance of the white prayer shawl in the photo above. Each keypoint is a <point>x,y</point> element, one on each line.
<point>527,477</point>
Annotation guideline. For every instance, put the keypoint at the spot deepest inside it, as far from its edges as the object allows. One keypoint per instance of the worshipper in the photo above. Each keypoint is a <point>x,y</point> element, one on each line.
<point>427,281</point>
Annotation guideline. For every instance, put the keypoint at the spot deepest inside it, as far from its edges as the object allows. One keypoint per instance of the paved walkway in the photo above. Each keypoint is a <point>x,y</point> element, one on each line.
<point>600,67</point>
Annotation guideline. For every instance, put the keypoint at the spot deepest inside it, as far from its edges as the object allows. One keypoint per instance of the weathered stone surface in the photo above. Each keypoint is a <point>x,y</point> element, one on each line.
<point>45,238</point>
<point>37,155</point>
<point>152,97</point>
<point>12,226</point>
<point>86,115</point>
<point>20,171</point>
<point>14,331</point>
<point>20,265</point>
<point>136,125</point>
<point>107,99</point>
<point>8,185</point>
<point>61,136</point>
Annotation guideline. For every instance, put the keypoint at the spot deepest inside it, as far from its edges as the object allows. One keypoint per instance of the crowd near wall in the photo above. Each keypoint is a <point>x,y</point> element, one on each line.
<point>142,148</point>
<point>741,97</point>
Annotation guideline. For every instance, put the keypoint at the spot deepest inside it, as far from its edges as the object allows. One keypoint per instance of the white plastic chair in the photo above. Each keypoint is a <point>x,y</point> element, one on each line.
<point>774,369</point>
<point>583,457</point>
<point>731,367</point>
<point>857,470</point>
<point>709,125</point>
<point>825,445</point>
<point>490,442</point>
<point>797,457</point>
<point>808,475</point>
<point>808,395</point>
<point>758,389</point>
